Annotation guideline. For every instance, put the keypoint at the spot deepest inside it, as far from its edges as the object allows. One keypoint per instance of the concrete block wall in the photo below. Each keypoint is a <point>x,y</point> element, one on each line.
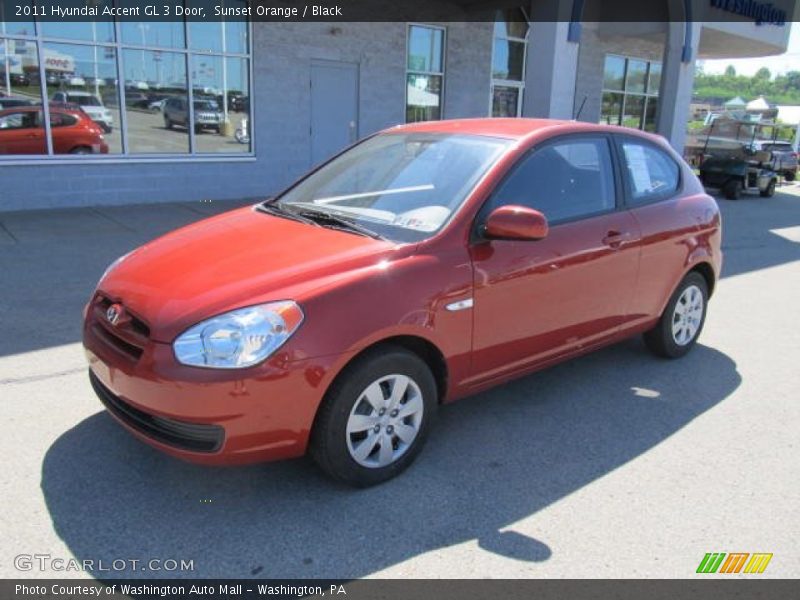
<point>282,55</point>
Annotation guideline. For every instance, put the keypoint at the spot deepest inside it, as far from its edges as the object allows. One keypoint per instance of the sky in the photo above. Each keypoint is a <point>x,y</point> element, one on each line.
<point>776,64</point>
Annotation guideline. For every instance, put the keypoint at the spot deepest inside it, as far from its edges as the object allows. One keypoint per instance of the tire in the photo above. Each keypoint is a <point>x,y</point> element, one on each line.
<point>81,150</point>
<point>347,423</point>
<point>770,191</point>
<point>732,189</point>
<point>661,340</point>
<point>789,175</point>
<point>167,123</point>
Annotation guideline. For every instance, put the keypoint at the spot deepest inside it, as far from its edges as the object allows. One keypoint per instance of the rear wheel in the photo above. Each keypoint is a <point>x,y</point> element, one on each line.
<point>167,123</point>
<point>732,189</point>
<point>81,150</point>
<point>789,175</point>
<point>682,320</point>
<point>375,417</point>
<point>770,191</point>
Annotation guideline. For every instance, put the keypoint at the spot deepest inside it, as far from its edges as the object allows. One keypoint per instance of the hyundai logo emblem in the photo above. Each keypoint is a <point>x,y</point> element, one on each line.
<point>113,313</point>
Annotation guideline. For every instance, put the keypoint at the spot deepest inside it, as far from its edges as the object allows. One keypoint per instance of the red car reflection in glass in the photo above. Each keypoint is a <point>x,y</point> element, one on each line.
<point>424,264</point>
<point>22,132</point>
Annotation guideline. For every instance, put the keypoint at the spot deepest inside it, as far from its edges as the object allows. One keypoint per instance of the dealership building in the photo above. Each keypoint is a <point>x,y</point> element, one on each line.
<point>223,110</point>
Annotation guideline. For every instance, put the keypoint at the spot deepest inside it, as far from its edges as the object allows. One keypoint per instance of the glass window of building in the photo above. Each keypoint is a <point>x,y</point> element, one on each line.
<point>509,50</point>
<point>22,129</point>
<point>630,92</point>
<point>125,89</point>
<point>424,73</point>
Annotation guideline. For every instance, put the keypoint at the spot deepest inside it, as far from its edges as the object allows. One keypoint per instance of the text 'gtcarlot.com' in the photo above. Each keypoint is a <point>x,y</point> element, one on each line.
<point>48,562</point>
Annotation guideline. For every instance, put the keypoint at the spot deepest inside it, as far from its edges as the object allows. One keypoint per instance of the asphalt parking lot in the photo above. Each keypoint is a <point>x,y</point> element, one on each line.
<point>147,133</point>
<point>614,465</point>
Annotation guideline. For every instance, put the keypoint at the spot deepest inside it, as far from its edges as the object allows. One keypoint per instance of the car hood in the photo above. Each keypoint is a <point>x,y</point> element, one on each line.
<point>236,259</point>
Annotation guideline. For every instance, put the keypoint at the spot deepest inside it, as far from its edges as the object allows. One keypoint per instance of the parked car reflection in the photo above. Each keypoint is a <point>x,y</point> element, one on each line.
<point>91,105</point>
<point>207,114</point>
<point>22,131</point>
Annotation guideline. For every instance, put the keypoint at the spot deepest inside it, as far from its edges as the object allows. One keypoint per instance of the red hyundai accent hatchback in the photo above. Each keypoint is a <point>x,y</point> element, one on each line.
<point>73,132</point>
<point>424,264</point>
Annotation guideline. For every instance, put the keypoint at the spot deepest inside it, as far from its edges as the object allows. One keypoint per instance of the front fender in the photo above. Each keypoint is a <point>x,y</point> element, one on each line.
<point>405,297</point>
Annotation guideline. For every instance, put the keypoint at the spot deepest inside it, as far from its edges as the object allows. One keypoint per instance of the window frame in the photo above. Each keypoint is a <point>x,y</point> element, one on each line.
<point>518,85</point>
<point>125,156</point>
<point>619,197</point>
<point>630,201</point>
<point>647,95</point>
<point>408,71</point>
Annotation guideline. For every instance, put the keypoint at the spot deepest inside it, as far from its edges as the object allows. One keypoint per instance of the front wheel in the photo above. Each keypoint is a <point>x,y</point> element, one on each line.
<point>682,320</point>
<point>375,417</point>
<point>789,176</point>
<point>732,189</point>
<point>770,191</point>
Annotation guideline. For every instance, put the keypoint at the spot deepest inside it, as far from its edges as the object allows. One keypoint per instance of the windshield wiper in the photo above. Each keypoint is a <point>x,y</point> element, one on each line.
<point>276,210</point>
<point>324,217</point>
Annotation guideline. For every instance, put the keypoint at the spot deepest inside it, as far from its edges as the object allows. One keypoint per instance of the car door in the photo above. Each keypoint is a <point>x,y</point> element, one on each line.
<point>66,136</point>
<point>22,132</point>
<point>536,300</point>
<point>669,226</point>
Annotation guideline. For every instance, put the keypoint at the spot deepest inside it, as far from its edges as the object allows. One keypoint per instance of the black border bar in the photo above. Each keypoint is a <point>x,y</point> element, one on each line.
<point>700,588</point>
<point>766,13</point>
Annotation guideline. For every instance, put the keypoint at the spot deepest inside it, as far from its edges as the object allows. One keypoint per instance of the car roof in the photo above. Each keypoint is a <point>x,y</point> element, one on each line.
<point>38,107</point>
<point>496,127</point>
<point>511,128</point>
<point>519,128</point>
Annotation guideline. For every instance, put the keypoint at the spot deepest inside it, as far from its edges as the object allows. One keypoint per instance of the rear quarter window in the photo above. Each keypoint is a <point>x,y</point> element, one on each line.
<point>651,173</point>
<point>62,120</point>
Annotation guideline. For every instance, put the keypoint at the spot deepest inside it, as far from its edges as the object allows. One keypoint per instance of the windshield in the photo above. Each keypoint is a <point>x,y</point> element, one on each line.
<point>205,105</point>
<point>402,186</point>
<point>86,100</point>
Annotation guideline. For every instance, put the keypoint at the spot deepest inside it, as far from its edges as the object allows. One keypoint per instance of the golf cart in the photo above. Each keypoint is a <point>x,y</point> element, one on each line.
<point>734,160</point>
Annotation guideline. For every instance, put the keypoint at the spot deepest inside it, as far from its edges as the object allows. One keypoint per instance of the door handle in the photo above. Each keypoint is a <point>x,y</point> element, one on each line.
<point>615,239</point>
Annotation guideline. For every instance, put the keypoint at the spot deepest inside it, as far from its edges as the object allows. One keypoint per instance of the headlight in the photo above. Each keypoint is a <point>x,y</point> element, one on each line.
<point>240,338</point>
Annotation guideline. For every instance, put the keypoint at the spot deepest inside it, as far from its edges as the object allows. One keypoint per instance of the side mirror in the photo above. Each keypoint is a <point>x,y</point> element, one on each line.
<point>515,222</point>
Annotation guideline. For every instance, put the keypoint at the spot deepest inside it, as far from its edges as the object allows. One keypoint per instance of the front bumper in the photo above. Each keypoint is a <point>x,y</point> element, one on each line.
<point>206,416</point>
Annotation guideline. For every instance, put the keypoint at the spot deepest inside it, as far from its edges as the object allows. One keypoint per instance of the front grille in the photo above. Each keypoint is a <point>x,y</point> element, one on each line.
<point>136,324</point>
<point>179,434</point>
<point>128,338</point>
<point>116,342</point>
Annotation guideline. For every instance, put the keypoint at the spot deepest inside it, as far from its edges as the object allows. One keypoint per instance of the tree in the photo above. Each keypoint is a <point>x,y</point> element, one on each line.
<point>763,74</point>
<point>793,80</point>
<point>730,71</point>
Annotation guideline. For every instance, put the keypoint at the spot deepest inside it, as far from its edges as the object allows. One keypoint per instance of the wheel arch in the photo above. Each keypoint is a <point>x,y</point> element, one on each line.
<point>418,345</point>
<point>707,271</point>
